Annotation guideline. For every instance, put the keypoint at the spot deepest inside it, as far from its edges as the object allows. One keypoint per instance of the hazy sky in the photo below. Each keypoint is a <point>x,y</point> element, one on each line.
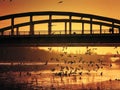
<point>109,8</point>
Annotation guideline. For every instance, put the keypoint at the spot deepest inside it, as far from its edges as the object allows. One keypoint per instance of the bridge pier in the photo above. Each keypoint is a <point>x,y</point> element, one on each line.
<point>91,26</point>
<point>100,29</point>
<point>82,27</point>
<point>113,27</point>
<point>119,30</point>
<point>65,27</point>
<point>17,30</point>
<point>70,24</point>
<point>12,26</point>
<point>50,25</point>
<point>31,25</point>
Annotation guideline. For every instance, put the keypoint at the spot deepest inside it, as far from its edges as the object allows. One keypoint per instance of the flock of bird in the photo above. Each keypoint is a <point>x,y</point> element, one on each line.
<point>10,0</point>
<point>58,1</point>
<point>70,64</point>
<point>67,64</point>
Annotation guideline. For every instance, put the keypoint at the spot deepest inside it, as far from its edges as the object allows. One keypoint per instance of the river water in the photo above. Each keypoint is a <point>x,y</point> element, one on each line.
<point>48,78</point>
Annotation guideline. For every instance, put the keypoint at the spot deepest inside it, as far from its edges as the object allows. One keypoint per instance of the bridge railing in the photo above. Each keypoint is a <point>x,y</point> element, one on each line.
<point>61,32</point>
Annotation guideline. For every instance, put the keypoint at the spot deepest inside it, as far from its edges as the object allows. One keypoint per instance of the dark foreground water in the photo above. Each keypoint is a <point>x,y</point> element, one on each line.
<point>53,77</point>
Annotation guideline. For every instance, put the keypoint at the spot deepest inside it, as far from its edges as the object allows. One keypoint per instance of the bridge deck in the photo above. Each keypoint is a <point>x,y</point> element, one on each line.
<point>61,40</point>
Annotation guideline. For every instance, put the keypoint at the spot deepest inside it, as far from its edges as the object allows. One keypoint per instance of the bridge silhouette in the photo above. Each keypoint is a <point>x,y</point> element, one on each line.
<point>106,34</point>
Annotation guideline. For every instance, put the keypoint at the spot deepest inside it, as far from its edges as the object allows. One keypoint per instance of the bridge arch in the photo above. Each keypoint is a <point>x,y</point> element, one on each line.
<point>68,20</point>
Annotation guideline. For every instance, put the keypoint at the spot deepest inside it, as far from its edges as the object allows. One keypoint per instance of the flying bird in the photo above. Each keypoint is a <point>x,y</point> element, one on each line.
<point>50,49</point>
<point>46,62</point>
<point>115,47</point>
<point>60,2</point>
<point>117,52</point>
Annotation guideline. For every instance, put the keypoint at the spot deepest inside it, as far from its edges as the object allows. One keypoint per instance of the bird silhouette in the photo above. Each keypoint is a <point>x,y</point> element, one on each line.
<point>115,47</point>
<point>10,0</point>
<point>49,48</point>
<point>117,52</point>
<point>110,65</point>
<point>53,69</point>
<point>46,62</point>
<point>101,73</point>
<point>60,2</point>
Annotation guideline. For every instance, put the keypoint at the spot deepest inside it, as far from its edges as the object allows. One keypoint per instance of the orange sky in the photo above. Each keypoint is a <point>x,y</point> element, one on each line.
<point>109,8</point>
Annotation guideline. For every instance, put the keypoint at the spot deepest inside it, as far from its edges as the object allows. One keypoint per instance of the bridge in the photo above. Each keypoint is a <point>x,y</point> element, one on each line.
<point>58,29</point>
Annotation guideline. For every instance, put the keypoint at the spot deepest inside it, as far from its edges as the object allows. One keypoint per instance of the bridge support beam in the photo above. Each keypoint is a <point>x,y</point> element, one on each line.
<point>100,29</point>
<point>70,25</point>
<point>31,26</point>
<point>91,26</point>
<point>50,25</point>
<point>82,27</point>
<point>65,27</point>
<point>12,26</point>
<point>113,27</point>
<point>17,30</point>
<point>119,30</point>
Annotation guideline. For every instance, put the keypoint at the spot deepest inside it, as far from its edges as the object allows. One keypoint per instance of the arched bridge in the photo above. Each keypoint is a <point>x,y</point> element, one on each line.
<point>54,28</point>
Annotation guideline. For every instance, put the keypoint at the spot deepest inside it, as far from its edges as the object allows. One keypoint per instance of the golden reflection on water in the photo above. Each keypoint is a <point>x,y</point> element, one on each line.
<point>113,73</point>
<point>82,49</point>
<point>46,78</point>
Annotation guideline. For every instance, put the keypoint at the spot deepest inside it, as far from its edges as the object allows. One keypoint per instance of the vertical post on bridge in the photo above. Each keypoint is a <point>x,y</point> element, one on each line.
<point>70,24</point>
<point>65,27</point>
<point>82,27</point>
<point>91,26</point>
<point>112,27</point>
<point>119,30</point>
<point>17,30</point>
<point>31,25</point>
<point>12,26</point>
<point>100,29</point>
<point>50,25</point>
